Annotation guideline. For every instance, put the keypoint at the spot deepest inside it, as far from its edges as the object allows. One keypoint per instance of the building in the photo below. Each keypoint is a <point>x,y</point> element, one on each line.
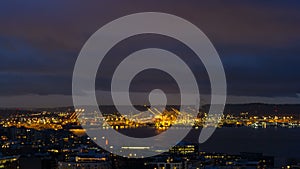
<point>184,148</point>
<point>86,165</point>
<point>9,162</point>
<point>166,162</point>
<point>165,165</point>
<point>86,160</point>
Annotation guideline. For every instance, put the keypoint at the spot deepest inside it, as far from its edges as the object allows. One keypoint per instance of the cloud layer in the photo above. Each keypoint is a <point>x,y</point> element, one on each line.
<point>258,43</point>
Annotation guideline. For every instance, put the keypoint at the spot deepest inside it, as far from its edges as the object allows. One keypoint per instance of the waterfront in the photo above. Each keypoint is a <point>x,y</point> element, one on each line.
<point>282,143</point>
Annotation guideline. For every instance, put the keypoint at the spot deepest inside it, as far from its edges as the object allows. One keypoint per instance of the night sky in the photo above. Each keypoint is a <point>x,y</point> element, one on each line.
<point>258,42</point>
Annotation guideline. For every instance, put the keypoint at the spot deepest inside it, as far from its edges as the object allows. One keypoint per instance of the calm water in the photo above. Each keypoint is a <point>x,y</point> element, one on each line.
<point>282,143</point>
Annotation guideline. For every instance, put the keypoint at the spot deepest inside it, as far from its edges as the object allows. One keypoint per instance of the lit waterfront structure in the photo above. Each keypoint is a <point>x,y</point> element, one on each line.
<point>88,159</point>
<point>160,118</point>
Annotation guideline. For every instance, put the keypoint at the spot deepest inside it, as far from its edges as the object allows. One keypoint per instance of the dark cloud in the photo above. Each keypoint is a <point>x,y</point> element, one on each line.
<point>30,83</point>
<point>258,42</point>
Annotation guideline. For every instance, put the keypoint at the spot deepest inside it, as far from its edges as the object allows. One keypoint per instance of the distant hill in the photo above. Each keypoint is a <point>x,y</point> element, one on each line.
<point>235,109</point>
<point>260,109</point>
